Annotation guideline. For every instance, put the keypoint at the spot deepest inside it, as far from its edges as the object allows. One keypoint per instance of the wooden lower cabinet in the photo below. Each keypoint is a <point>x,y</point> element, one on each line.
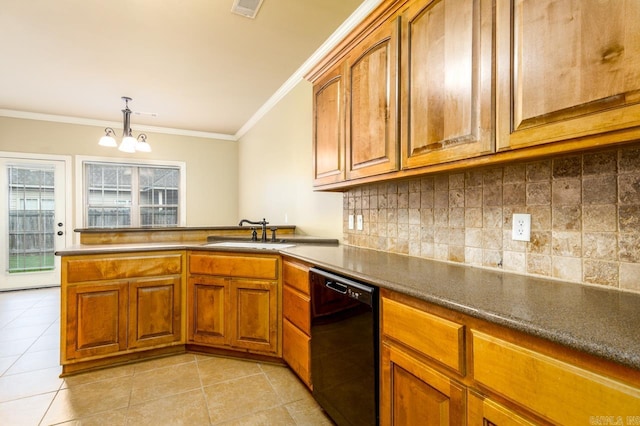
<point>412,393</point>
<point>296,323</point>
<point>118,305</point>
<point>233,302</point>
<point>443,367</point>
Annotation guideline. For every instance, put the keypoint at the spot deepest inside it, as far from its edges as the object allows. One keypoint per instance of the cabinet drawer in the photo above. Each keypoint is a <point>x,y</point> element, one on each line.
<point>296,308</point>
<point>435,337</point>
<point>110,268</point>
<point>237,265</point>
<point>296,350</point>
<point>561,392</point>
<point>296,276</point>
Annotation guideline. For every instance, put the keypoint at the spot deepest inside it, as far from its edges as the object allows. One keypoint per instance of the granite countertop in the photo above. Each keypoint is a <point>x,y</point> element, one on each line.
<point>599,321</point>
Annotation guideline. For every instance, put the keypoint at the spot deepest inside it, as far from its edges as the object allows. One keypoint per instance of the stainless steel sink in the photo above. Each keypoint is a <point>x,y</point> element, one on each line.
<point>251,245</point>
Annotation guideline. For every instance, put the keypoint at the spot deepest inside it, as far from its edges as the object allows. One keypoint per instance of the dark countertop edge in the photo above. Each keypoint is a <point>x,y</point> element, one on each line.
<point>561,337</point>
<point>173,228</point>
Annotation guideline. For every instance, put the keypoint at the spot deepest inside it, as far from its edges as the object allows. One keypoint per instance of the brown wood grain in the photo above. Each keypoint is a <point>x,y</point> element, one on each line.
<point>296,351</point>
<point>206,309</point>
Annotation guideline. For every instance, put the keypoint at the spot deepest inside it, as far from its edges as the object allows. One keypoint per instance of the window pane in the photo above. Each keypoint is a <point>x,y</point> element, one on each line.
<point>109,195</point>
<point>159,187</point>
<point>31,219</point>
<point>158,216</point>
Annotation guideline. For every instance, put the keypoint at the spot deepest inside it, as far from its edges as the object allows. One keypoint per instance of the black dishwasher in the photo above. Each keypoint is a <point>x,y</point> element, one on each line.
<point>344,348</point>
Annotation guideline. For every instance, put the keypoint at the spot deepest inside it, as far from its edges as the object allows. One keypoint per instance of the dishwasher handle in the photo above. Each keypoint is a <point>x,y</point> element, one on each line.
<point>340,288</point>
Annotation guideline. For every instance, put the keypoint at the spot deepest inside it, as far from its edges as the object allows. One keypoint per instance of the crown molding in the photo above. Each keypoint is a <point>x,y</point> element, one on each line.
<point>343,30</point>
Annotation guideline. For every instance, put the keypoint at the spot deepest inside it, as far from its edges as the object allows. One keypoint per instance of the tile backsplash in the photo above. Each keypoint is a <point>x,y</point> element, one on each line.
<point>585,217</point>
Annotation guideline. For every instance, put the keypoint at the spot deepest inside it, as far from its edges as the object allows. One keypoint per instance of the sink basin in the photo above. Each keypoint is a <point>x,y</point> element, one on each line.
<point>251,245</point>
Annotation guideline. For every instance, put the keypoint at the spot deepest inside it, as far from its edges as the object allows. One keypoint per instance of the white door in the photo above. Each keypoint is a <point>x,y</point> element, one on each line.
<point>32,221</point>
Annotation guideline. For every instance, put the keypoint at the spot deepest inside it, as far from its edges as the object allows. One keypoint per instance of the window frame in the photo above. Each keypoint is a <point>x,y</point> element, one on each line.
<point>81,189</point>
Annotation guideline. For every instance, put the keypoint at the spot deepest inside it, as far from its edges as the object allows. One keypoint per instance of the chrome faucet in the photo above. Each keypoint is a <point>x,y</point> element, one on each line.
<point>263,223</point>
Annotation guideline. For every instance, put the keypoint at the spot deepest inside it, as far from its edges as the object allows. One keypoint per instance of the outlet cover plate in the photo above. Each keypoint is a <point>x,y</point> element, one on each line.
<point>521,230</point>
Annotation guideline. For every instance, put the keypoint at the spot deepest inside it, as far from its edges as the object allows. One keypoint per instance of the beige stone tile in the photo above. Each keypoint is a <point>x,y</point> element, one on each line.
<point>540,217</point>
<point>600,163</point>
<point>539,264</point>
<point>473,197</point>
<point>492,195</point>
<point>567,268</point>
<point>538,194</point>
<point>473,217</point>
<point>403,231</point>
<point>441,199</point>
<point>403,200</point>
<point>441,182</point>
<point>514,173</point>
<point>600,245</point>
<point>600,218</point>
<point>565,243</point>
<point>441,236</point>
<point>473,256</point>
<point>414,186</point>
<point>414,200</point>
<point>629,276</point>
<point>456,254</point>
<point>32,361</point>
<point>540,242</point>
<point>492,258</point>
<point>427,250</point>
<point>308,413</point>
<point>441,251</point>
<point>492,177</point>
<point>112,418</point>
<point>98,375</point>
<point>514,261</point>
<point>473,178</point>
<point>456,217</point>
<point>629,158</point>
<point>187,408</point>
<point>601,189</point>
<point>567,218</point>
<point>163,362</point>
<point>427,184</point>
<point>514,194</point>
<point>25,411</point>
<point>629,188</point>
<point>473,237</point>
<point>456,181</point>
<point>275,416</point>
<point>161,382</point>
<point>509,244</point>
<point>415,248</point>
<point>239,397</point>
<point>403,216</point>
<point>567,167</point>
<point>456,197</point>
<point>427,199</point>
<point>629,218</point>
<point>492,217</point>
<point>414,217</point>
<point>27,384</point>
<point>286,384</point>
<point>218,369</point>
<point>89,399</point>
<point>600,272</point>
<point>538,171</point>
<point>492,238</point>
<point>441,217</point>
<point>629,246</point>
<point>566,192</point>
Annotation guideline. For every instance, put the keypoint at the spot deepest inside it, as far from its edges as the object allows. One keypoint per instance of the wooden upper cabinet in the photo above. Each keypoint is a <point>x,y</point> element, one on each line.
<point>567,69</point>
<point>447,106</point>
<point>371,112</point>
<point>328,127</point>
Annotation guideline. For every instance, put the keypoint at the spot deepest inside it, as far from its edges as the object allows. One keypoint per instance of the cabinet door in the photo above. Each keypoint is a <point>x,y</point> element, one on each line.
<point>206,310</point>
<point>154,312</point>
<point>567,69</point>
<point>96,319</point>
<point>414,394</point>
<point>328,128</point>
<point>371,114</point>
<point>446,69</point>
<point>254,315</point>
<point>296,350</point>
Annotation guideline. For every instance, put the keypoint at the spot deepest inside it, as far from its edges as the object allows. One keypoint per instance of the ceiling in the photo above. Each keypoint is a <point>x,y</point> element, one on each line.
<point>195,64</point>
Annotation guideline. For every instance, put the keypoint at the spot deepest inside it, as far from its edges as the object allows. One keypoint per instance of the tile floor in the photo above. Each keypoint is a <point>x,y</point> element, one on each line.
<point>184,389</point>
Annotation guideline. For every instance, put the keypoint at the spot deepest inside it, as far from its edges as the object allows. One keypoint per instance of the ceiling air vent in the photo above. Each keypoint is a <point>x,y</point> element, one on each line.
<point>246,8</point>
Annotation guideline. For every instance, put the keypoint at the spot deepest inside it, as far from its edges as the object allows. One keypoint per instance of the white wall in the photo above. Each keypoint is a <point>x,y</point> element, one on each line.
<point>275,176</point>
<point>212,175</point>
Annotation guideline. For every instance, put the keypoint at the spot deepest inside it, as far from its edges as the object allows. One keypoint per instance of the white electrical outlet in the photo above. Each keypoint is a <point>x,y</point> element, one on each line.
<point>350,221</point>
<point>359,222</point>
<point>521,230</point>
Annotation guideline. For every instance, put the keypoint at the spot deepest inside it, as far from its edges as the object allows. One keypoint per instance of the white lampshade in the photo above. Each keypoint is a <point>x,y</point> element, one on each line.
<point>128,144</point>
<point>108,141</point>
<point>143,146</point>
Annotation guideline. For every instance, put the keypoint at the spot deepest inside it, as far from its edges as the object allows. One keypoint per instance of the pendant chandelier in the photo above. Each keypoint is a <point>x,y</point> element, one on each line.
<point>128,143</point>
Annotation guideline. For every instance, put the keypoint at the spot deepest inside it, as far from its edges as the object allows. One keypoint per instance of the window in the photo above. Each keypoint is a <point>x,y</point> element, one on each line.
<point>131,195</point>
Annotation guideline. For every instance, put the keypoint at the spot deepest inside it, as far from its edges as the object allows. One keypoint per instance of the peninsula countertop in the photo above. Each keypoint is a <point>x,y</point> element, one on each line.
<point>598,321</point>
